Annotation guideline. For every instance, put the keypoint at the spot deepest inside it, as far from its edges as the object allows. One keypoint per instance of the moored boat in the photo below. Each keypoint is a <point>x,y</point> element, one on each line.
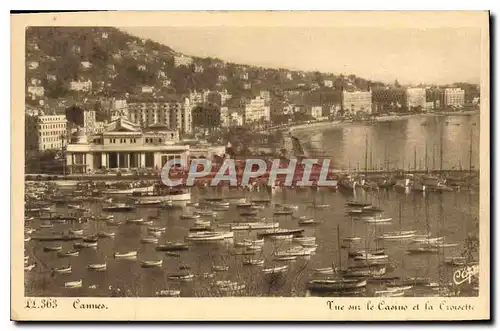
<point>74,284</point>
<point>151,263</point>
<point>127,255</point>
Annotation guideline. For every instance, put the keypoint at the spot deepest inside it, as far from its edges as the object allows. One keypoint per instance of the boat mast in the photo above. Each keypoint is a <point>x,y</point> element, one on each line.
<point>426,160</point>
<point>366,156</point>
<point>441,151</point>
<point>415,158</point>
<point>470,151</point>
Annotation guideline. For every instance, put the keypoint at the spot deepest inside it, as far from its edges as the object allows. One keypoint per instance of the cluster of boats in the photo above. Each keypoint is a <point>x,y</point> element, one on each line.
<point>205,222</point>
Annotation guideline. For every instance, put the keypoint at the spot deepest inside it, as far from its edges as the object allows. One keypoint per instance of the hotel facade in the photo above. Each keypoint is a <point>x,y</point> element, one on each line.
<point>173,114</point>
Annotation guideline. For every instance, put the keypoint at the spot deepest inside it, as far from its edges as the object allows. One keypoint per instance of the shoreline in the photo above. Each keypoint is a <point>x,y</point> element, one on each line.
<point>338,124</point>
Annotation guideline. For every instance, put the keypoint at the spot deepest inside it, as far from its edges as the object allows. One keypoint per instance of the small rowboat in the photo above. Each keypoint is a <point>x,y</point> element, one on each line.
<point>46,226</point>
<point>351,239</point>
<point>319,206</point>
<point>156,229</point>
<point>149,240</point>
<point>281,236</point>
<point>26,239</point>
<point>173,254</point>
<point>75,284</point>
<point>285,258</point>
<point>181,277</point>
<point>253,262</point>
<point>85,245</point>
<point>113,223</point>
<point>63,270</point>
<point>168,293</point>
<point>220,268</point>
<point>136,221</point>
<point>302,240</point>
<point>127,255</point>
<point>205,213</point>
<point>151,264</point>
<point>378,220</point>
<point>274,270</point>
<point>52,248</point>
<point>104,234</point>
<point>68,253</point>
<point>170,246</point>
<point>90,239</point>
<point>371,257</point>
<point>283,212</point>
<point>97,266</point>
<point>307,221</point>
<point>76,232</point>
<point>149,222</point>
<point>325,271</point>
<point>189,216</point>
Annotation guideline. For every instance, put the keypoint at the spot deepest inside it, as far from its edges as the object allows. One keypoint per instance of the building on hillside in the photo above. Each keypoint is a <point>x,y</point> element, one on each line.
<point>86,65</point>
<point>453,97</point>
<point>32,65</point>
<point>222,78</point>
<point>165,82</point>
<point>124,145</point>
<point>256,110</point>
<point>83,118</point>
<point>146,89</point>
<point>314,111</point>
<point>266,95</point>
<point>182,60</point>
<point>357,102</point>
<point>141,67</point>
<point>36,91</point>
<point>244,76</point>
<point>44,132</point>
<point>206,117</point>
<point>389,99</point>
<point>80,85</point>
<point>172,113</point>
<point>231,118</point>
<point>328,83</point>
<point>247,86</point>
<point>198,68</point>
<point>197,98</point>
<point>416,98</point>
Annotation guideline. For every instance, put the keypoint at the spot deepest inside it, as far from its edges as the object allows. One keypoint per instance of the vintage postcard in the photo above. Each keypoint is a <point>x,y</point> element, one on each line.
<point>316,166</point>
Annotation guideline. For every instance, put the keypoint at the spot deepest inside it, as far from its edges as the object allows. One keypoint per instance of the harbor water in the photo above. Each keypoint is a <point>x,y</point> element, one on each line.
<point>453,215</point>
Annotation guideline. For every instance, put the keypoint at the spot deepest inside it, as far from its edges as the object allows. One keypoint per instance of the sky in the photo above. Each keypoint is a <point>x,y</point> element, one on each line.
<point>412,56</point>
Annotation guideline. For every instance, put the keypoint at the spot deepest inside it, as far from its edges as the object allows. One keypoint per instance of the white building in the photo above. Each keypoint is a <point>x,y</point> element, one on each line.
<point>124,145</point>
<point>80,85</point>
<point>266,95</point>
<point>166,82</point>
<point>222,78</point>
<point>173,114</point>
<point>315,111</point>
<point>86,64</point>
<point>198,68</point>
<point>328,83</point>
<point>244,76</point>
<point>247,86</point>
<point>230,118</point>
<point>289,76</point>
<point>256,110</point>
<point>36,91</point>
<point>454,97</point>
<point>415,97</point>
<point>147,89</point>
<point>141,67</point>
<point>357,101</point>
<point>44,132</point>
<point>182,60</point>
<point>33,65</point>
<point>51,78</point>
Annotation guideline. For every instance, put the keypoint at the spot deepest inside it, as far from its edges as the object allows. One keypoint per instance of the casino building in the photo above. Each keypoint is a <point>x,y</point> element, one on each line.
<point>124,145</point>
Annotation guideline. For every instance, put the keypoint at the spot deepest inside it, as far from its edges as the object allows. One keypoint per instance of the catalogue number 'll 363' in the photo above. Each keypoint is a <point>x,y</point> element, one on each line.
<point>36,303</point>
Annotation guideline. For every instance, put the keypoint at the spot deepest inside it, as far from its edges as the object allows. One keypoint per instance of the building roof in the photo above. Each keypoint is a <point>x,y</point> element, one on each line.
<point>158,127</point>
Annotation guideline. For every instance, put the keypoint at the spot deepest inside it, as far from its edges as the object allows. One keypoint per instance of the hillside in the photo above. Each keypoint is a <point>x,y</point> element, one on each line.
<point>121,62</point>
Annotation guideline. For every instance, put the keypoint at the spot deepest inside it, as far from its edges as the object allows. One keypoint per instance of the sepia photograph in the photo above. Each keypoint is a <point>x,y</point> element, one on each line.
<point>331,162</point>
